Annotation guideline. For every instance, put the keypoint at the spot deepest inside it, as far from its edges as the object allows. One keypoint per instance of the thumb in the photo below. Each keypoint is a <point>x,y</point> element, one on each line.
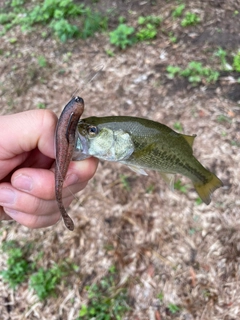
<point>25,131</point>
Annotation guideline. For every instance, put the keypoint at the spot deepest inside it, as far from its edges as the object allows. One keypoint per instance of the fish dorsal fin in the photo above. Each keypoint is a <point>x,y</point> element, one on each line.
<point>169,179</point>
<point>189,139</point>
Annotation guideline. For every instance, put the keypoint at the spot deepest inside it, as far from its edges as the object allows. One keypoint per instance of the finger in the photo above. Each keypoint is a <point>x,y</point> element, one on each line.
<point>85,169</point>
<point>36,159</point>
<point>41,182</point>
<point>33,221</point>
<point>41,218</point>
<point>3,215</point>
<point>26,131</point>
<point>24,202</point>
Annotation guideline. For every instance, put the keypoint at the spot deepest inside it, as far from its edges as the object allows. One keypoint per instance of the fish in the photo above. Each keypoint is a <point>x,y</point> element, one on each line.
<point>143,144</point>
<point>65,137</point>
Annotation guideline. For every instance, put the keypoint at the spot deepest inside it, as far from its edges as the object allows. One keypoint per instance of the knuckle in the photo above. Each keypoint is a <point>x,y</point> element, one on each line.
<point>32,222</point>
<point>37,206</point>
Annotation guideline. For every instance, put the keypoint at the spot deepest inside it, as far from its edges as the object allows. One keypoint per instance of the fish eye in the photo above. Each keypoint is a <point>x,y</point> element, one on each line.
<point>92,130</point>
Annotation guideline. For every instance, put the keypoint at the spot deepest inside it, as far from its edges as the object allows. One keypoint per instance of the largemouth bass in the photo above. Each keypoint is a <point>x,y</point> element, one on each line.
<point>144,144</point>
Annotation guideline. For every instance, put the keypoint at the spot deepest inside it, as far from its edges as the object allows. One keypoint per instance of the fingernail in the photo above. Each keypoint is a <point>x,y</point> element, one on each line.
<point>72,179</point>
<point>7,196</point>
<point>23,182</point>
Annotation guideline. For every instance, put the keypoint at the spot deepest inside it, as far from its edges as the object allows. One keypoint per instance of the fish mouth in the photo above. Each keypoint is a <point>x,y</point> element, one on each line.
<point>80,147</point>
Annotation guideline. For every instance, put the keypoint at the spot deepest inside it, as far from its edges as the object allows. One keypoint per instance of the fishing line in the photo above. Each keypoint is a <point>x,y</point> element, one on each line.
<point>57,164</point>
<point>105,228</point>
<point>90,78</point>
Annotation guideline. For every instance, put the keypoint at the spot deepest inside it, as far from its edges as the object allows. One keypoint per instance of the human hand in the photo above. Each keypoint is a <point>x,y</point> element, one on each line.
<point>27,185</point>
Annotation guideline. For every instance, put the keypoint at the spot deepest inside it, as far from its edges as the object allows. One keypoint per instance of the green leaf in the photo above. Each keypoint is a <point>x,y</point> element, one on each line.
<point>236,62</point>
<point>83,311</point>
<point>173,71</point>
<point>190,19</point>
<point>178,11</point>
<point>122,36</point>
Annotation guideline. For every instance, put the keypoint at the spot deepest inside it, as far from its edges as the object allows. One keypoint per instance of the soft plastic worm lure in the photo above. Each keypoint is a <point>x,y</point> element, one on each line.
<point>65,142</point>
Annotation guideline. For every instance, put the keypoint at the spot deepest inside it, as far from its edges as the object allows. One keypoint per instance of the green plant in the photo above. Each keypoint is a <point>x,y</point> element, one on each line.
<point>178,126</point>
<point>190,19</point>
<point>41,105</point>
<point>45,281</point>
<point>221,54</point>
<point>122,36</point>
<point>109,52</point>
<point>191,231</point>
<point>49,10</point>
<point>56,15</point>
<point>236,62</point>
<point>173,71</point>
<point>195,72</point>
<point>105,302</point>
<point>178,11</point>
<point>125,182</point>
<point>6,18</point>
<point>235,143</point>
<point>147,33</point>
<point>160,296</point>
<point>17,3</point>
<point>173,308</point>
<point>179,186</point>
<point>172,37</point>
<point>198,201</point>
<point>93,22</point>
<point>121,19</point>
<point>150,188</point>
<point>154,20</point>
<point>18,266</point>
<point>64,30</point>
<point>13,40</point>
<point>223,119</point>
<point>149,29</point>
<point>42,62</point>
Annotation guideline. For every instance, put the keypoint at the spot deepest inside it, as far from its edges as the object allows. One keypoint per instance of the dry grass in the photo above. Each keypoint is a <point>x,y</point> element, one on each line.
<point>161,242</point>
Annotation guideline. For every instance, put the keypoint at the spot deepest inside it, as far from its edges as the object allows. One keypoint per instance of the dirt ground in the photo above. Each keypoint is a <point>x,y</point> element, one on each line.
<point>161,242</point>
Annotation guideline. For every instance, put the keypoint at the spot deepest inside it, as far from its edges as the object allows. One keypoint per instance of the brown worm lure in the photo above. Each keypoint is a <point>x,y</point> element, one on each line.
<point>65,143</point>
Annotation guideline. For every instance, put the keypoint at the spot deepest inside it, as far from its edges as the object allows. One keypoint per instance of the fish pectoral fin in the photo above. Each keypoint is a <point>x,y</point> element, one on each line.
<point>138,170</point>
<point>79,156</point>
<point>189,139</point>
<point>169,179</point>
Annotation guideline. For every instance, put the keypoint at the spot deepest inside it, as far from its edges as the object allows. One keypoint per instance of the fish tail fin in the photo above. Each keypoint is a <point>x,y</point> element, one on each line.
<point>205,190</point>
